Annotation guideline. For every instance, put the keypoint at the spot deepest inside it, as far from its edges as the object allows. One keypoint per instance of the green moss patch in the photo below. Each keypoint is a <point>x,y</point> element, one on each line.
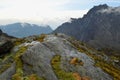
<point>19,41</point>
<point>5,67</point>
<point>41,38</point>
<point>110,69</point>
<point>34,77</point>
<point>19,67</point>
<point>61,74</point>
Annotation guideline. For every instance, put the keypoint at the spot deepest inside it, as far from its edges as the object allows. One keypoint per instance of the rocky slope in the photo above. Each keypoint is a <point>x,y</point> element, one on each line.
<point>100,27</point>
<point>56,57</point>
<point>24,29</point>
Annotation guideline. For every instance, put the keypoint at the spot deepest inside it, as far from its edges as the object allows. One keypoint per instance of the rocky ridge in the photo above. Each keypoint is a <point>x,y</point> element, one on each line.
<point>54,57</point>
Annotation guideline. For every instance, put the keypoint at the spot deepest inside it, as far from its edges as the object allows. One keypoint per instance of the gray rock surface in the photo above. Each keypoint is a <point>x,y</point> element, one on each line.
<point>39,56</point>
<point>37,60</point>
<point>7,75</point>
<point>64,48</point>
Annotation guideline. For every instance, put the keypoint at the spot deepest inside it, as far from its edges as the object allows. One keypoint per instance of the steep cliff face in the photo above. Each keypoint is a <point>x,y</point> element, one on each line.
<point>56,57</point>
<point>100,27</point>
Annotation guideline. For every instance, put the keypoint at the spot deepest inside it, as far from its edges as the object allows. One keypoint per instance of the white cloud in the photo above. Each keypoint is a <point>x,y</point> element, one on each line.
<point>51,12</point>
<point>53,18</point>
<point>36,11</point>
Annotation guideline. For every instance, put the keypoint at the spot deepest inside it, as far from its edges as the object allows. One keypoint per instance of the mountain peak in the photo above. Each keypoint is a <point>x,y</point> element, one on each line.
<point>102,6</point>
<point>100,24</point>
<point>24,24</point>
<point>104,9</point>
<point>99,7</point>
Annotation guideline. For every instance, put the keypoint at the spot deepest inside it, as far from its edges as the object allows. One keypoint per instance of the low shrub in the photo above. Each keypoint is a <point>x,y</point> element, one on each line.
<point>41,38</point>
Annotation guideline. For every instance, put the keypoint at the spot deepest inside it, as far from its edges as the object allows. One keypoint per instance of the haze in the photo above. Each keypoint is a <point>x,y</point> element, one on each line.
<point>46,12</point>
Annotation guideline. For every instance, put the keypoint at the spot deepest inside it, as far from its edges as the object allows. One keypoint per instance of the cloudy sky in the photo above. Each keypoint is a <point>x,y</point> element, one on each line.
<point>51,12</point>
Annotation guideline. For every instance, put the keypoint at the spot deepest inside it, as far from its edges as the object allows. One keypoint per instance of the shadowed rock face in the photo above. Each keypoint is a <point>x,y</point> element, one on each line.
<point>6,47</point>
<point>6,43</point>
<point>0,31</point>
<point>100,27</point>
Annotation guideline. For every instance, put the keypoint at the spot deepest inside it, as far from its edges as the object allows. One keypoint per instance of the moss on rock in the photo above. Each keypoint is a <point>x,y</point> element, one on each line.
<point>61,74</point>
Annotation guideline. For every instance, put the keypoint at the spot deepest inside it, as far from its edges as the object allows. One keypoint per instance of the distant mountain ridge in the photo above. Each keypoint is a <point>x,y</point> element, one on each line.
<point>100,27</point>
<point>24,29</point>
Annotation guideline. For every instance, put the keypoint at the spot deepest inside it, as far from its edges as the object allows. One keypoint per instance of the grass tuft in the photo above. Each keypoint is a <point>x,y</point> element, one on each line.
<point>61,74</point>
